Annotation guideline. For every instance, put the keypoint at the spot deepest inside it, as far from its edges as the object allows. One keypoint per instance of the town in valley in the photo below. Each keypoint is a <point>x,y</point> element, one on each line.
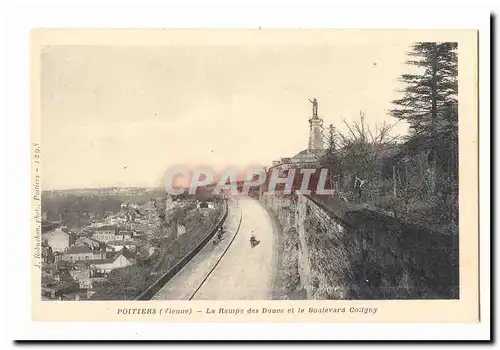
<point>107,243</point>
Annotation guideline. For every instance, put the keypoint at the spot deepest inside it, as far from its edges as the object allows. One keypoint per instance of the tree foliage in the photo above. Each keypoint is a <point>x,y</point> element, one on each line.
<point>358,152</point>
<point>430,94</point>
<point>124,283</point>
<point>430,107</point>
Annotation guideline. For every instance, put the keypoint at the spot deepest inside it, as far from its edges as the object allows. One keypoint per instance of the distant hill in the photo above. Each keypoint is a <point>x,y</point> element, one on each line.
<point>103,190</point>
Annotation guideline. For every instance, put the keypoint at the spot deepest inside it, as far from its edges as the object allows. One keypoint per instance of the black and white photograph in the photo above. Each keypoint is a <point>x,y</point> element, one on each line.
<point>254,175</point>
<point>238,172</point>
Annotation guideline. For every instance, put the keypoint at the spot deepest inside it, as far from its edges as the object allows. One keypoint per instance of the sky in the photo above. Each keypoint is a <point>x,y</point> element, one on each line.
<point>122,115</point>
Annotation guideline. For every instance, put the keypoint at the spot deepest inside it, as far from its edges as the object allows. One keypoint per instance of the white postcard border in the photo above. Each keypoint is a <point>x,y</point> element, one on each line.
<point>22,18</point>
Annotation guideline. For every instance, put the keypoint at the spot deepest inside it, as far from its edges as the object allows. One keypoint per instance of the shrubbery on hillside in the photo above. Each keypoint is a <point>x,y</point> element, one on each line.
<point>124,283</point>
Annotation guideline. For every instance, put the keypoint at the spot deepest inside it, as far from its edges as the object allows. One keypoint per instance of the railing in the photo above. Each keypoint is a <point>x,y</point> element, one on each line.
<point>160,282</point>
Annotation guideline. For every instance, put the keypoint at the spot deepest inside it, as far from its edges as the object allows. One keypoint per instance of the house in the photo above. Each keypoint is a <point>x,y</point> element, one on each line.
<point>58,256</point>
<point>105,233</point>
<point>123,258</point>
<point>83,253</point>
<point>137,234</point>
<point>58,285</point>
<point>58,290</point>
<point>111,233</point>
<point>87,231</point>
<point>98,224</point>
<point>116,221</point>
<point>91,242</point>
<point>60,239</point>
<point>118,245</point>
<point>48,226</point>
<point>124,235</point>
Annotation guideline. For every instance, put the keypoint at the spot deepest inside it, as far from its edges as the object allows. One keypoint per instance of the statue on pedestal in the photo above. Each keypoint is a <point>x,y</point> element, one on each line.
<point>315,107</point>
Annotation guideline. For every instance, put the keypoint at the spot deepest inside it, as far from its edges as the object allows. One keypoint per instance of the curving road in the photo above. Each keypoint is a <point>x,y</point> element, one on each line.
<point>235,270</point>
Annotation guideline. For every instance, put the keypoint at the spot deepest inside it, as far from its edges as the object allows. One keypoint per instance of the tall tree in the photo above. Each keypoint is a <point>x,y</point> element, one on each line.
<point>331,139</point>
<point>429,104</point>
<point>330,159</point>
<point>430,92</point>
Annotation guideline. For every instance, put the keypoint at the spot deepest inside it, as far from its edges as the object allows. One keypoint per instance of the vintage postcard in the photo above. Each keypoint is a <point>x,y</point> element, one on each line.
<point>255,175</point>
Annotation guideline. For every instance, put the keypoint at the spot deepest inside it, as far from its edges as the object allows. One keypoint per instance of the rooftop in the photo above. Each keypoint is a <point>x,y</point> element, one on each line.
<point>121,242</point>
<point>59,230</point>
<point>310,153</point>
<point>94,240</point>
<point>125,252</point>
<point>105,228</point>
<point>305,156</point>
<point>101,261</point>
<point>79,250</point>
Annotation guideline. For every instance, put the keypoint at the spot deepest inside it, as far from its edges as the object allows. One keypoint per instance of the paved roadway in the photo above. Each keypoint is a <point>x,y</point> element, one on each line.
<point>241,272</point>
